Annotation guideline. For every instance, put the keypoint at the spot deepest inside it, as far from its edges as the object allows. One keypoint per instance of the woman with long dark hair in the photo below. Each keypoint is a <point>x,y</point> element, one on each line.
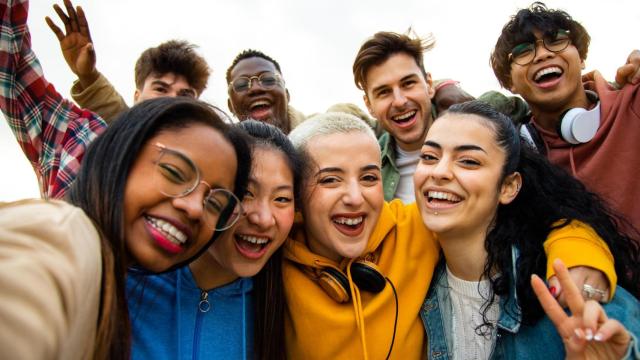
<point>230,301</point>
<point>493,202</point>
<point>154,190</point>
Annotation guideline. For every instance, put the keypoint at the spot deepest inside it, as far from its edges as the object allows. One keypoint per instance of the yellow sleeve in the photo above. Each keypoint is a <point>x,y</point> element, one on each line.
<point>100,97</point>
<point>577,244</point>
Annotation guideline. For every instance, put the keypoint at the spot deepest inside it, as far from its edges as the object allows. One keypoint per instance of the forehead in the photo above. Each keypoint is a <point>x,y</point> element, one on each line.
<point>345,150</point>
<point>252,66</point>
<point>395,68</point>
<point>270,165</point>
<point>468,129</point>
<point>169,78</point>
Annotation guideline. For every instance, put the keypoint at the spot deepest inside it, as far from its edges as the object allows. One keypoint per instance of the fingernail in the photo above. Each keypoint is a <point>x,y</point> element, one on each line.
<point>598,337</point>
<point>578,333</point>
<point>553,291</point>
<point>589,335</point>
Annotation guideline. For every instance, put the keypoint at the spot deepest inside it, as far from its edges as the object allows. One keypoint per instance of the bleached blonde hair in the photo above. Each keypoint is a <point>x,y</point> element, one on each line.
<point>327,124</point>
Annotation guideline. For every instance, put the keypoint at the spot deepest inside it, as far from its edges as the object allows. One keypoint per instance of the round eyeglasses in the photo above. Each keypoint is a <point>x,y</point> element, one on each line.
<point>266,81</point>
<point>525,53</point>
<point>176,176</point>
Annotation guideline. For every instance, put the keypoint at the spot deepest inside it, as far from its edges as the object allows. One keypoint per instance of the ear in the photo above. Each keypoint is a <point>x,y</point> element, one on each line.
<point>510,188</point>
<point>582,64</point>
<point>367,103</point>
<point>230,106</point>
<point>430,89</point>
<point>136,96</point>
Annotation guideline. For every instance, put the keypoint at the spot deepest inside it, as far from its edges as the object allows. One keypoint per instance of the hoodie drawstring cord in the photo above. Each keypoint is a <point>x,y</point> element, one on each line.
<point>357,307</point>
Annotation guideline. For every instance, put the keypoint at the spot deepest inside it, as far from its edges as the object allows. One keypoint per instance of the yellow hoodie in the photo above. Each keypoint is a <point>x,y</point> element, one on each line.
<point>317,327</point>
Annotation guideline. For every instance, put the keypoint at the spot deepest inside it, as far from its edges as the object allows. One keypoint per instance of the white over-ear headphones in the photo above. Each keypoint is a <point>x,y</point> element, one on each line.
<point>578,125</point>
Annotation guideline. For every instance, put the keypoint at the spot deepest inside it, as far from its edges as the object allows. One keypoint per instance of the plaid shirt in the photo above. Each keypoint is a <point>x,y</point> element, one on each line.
<point>52,131</point>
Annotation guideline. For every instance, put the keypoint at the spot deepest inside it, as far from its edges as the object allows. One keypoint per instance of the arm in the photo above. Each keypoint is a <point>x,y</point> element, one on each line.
<point>92,90</point>
<point>582,250</point>
<point>50,280</point>
<point>447,93</point>
<point>52,132</point>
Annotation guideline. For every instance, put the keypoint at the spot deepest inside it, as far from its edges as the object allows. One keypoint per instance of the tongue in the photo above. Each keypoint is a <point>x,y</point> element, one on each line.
<point>260,112</point>
<point>245,245</point>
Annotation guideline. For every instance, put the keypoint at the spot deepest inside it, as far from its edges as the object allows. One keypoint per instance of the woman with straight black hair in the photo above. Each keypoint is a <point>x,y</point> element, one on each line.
<point>493,202</point>
<point>228,303</point>
<point>153,192</point>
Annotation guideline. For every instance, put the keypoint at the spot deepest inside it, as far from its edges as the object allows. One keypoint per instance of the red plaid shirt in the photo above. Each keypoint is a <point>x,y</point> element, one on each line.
<point>52,131</point>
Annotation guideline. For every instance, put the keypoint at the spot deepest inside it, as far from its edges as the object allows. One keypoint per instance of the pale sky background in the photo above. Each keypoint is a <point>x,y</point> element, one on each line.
<point>314,42</point>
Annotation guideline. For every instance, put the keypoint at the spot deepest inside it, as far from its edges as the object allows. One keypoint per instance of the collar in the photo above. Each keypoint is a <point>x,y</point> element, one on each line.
<point>387,149</point>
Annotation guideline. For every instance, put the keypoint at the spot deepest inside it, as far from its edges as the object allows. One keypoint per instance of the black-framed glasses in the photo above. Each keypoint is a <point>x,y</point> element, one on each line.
<point>524,53</point>
<point>176,175</point>
<point>267,80</point>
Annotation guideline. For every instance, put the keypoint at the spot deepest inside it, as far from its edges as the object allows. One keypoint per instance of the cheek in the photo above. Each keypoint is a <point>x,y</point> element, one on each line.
<point>284,222</point>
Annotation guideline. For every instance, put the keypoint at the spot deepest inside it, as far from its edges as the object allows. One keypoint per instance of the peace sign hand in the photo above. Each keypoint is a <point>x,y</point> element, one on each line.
<point>588,333</point>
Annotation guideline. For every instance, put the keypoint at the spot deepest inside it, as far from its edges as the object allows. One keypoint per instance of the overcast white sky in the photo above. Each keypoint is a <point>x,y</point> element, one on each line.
<point>314,41</point>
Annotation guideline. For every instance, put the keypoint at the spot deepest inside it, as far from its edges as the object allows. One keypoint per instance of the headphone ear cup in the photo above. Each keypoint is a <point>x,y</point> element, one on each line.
<point>578,125</point>
<point>367,276</point>
<point>335,284</point>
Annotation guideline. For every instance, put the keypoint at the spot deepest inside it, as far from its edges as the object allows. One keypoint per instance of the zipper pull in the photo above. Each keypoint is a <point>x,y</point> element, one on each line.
<point>204,305</point>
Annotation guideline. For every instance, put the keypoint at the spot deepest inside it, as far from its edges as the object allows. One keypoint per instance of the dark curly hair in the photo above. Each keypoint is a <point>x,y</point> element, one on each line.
<point>521,28</point>
<point>549,199</point>
<point>248,54</point>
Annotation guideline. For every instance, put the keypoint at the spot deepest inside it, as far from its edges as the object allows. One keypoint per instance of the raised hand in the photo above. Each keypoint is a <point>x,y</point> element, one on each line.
<point>587,333</point>
<point>629,73</point>
<point>75,42</point>
<point>582,275</point>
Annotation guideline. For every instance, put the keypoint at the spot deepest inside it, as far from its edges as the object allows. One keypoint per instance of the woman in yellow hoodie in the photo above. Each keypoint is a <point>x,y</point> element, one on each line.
<point>351,241</point>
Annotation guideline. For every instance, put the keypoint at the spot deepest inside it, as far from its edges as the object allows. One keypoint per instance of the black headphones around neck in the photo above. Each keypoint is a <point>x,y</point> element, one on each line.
<point>578,125</point>
<point>365,274</point>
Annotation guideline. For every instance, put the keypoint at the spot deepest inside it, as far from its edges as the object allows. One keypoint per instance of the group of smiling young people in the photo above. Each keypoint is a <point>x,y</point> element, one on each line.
<point>182,236</point>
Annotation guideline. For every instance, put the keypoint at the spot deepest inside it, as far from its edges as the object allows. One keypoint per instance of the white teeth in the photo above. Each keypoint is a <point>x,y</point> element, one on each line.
<point>404,116</point>
<point>259,103</point>
<point>172,232</point>
<point>549,70</point>
<point>443,196</point>
<point>349,221</point>
<point>254,239</point>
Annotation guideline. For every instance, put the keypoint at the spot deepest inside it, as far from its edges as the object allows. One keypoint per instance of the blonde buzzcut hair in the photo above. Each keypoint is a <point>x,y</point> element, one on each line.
<point>327,124</point>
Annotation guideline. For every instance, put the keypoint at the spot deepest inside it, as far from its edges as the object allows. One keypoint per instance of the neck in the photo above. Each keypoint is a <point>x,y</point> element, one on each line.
<point>209,274</point>
<point>548,116</point>
<point>465,254</point>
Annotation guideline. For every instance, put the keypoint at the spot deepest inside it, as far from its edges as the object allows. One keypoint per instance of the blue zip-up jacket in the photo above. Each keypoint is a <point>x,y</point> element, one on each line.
<point>171,318</point>
<point>515,340</point>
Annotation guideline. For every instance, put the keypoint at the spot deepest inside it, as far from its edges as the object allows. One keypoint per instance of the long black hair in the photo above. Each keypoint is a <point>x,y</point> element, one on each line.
<point>268,286</point>
<point>549,199</point>
<point>100,187</point>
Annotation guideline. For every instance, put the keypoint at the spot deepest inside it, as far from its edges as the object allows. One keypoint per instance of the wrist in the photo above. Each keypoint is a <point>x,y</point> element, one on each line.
<point>89,79</point>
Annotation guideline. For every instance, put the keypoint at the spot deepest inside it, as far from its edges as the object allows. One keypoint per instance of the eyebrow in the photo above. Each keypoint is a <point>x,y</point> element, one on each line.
<point>377,88</point>
<point>340,170</point>
<point>457,148</point>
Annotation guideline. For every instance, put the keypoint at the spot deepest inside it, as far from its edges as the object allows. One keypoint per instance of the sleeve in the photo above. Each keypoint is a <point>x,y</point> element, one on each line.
<point>513,106</point>
<point>50,280</point>
<point>100,97</point>
<point>52,131</point>
<point>577,244</point>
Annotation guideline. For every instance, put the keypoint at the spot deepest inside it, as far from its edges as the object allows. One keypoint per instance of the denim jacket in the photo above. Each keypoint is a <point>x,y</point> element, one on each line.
<point>513,339</point>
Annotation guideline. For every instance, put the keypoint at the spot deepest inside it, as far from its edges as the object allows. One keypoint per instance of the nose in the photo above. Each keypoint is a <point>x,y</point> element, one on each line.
<point>353,194</point>
<point>442,170</point>
<point>541,52</point>
<point>399,100</point>
<point>192,204</point>
<point>259,214</point>
<point>254,84</point>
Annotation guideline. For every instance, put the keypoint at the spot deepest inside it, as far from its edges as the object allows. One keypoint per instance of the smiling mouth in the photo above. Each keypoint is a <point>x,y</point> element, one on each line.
<point>439,199</point>
<point>251,246</point>
<point>349,225</point>
<point>547,75</point>
<point>405,118</point>
<point>166,235</point>
<point>259,109</point>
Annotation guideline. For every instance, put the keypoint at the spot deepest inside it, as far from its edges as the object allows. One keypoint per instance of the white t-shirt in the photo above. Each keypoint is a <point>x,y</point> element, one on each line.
<point>406,161</point>
<point>466,303</point>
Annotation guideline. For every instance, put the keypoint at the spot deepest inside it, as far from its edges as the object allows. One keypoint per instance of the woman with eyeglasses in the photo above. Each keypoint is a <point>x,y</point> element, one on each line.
<point>494,206</point>
<point>228,303</point>
<point>357,269</point>
<point>154,190</point>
